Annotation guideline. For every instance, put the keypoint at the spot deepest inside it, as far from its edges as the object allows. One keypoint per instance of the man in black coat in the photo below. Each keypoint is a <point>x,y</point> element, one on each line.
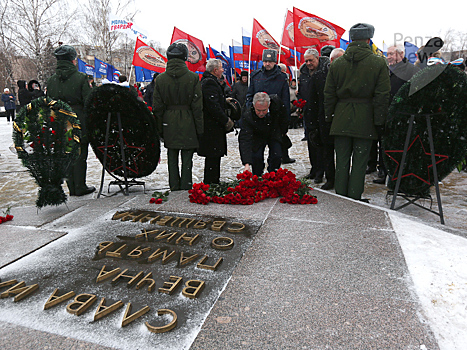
<point>312,61</point>
<point>316,126</point>
<point>24,95</point>
<point>264,124</point>
<point>213,143</point>
<point>271,80</point>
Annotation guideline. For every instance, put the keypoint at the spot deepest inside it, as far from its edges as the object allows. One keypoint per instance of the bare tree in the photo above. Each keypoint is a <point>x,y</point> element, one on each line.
<point>96,14</point>
<point>6,50</point>
<point>34,25</point>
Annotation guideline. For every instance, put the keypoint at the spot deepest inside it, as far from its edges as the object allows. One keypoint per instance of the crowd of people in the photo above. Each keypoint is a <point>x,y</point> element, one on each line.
<point>341,98</point>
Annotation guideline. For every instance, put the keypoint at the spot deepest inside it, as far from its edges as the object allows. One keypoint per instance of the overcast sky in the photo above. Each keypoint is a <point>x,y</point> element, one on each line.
<point>219,22</point>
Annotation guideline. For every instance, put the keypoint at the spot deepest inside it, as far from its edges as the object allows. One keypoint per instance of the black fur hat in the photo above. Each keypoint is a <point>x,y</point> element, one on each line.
<point>177,50</point>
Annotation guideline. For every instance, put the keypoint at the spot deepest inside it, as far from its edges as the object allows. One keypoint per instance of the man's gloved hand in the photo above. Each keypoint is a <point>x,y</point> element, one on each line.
<point>229,126</point>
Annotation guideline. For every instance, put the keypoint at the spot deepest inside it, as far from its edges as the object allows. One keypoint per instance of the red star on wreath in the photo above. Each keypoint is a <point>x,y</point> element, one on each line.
<point>130,155</point>
<point>428,154</point>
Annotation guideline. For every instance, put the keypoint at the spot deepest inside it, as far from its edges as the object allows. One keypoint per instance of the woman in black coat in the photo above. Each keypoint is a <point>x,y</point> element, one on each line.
<point>213,143</point>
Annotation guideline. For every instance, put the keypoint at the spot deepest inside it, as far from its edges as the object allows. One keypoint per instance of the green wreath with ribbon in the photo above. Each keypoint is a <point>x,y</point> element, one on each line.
<point>441,92</point>
<point>46,134</point>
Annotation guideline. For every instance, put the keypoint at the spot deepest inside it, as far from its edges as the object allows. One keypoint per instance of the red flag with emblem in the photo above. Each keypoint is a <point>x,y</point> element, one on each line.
<point>311,31</point>
<point>146,57</point>
<point>196,52</point>
<point>261,40</point>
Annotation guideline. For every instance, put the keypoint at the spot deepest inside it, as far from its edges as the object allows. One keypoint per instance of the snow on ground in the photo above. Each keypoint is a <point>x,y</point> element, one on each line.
<point>437,260</point>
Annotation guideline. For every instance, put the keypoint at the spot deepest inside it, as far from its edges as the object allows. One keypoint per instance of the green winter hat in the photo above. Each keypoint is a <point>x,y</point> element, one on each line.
<point>361,31</point>
<point>65,52</point>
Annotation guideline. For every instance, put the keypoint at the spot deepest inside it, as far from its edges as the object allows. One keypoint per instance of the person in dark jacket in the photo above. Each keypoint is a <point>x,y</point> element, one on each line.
<point>264,124</point>
<point>72,87</point>
<point>240,89</point>
<point>312,60</point>
<point>273,81</point>
<point>8,100</point>
<point>213,143</point>
<point>178,109</point>
<point>316,125</point>
<point>148,94</point>
<point>34,88</point>
<point>24,95</point>
<point>356,100</point>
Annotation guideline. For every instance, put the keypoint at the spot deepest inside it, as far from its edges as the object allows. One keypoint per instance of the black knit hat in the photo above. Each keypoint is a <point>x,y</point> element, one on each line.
<point>326,50</point>
<point>361,31</point>
<point>244,73</point>
<point>65,52</point>
<point>177,50</point>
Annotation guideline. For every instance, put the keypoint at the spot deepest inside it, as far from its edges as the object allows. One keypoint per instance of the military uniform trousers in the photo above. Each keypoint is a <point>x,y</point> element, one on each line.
<point>351,182</point>
<point>184,180</point>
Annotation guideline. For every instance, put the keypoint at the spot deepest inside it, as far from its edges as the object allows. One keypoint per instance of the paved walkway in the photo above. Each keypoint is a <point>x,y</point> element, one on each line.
<point>326,276</point>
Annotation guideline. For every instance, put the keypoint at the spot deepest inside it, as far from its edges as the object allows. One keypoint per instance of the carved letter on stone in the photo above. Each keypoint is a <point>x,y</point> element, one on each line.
<point>217,225</point>
<point>127,318</point>
<point>163,234</point>
<point>164,220</point>
<point>132,279</point>
<point>184,237</point>
<point>158,253</point>
<point>193,288</point>
<point>200,224</point>
<point>20,291</point>
<point>137,252</point>
<point>236,227</point>
<point>170,287</point>
<point>117,253</point>
<point>103,310</point>
<point>222,243</point>
<point>103,274</point>
<point>186,259</point>
<point>167,327</point>
<point>104,246</point>
<point>146,235</point>
<point>81,304</point>
<point>147,280</point>
<point>214,267</point>
<point>57,299</point>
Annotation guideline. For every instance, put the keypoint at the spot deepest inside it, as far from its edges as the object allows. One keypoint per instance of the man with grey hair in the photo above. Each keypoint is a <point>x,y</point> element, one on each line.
<point>313,63</point>
<point>213,143</point>
<point>336,53</point>
<point>264,124</point>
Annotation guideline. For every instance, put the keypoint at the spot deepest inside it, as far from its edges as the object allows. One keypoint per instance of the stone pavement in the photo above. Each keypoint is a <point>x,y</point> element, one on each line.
<point>326,276</point>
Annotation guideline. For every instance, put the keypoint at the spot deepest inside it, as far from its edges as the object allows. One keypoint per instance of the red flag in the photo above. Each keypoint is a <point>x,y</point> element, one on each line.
<point>261,40</point>
<point>311,31</point>
<point>196,53</point>
<point>287,33</point>
<point>146,57</point>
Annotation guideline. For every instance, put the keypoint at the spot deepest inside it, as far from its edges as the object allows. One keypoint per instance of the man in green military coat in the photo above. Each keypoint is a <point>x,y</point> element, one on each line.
<point>356,98</point>
<point>178,108</point>
<point>71,86</point>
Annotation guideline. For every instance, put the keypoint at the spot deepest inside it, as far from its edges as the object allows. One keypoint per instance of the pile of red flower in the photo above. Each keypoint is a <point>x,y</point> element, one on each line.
<point>7,216</point>
<point>300,103</point>
<point>249,189</point>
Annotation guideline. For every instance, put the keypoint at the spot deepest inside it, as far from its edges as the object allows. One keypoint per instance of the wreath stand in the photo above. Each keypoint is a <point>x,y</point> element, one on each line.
<point>126,183</point>
<point>411,199</point>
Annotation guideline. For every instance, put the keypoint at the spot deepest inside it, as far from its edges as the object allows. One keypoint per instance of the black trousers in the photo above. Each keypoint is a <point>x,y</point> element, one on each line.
<point>10,113</point>
<point>212,170</point>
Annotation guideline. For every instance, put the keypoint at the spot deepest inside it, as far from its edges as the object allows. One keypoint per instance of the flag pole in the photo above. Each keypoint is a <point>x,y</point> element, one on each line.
<point>131,71</point>
<point>249,55</point>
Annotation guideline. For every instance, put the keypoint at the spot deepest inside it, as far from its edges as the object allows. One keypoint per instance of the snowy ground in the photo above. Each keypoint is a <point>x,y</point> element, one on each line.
<point>437,260</point>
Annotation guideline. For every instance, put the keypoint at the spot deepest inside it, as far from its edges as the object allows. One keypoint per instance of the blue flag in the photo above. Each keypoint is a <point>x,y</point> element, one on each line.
<point>101,69</point>
<point>85,67</point>
<point>410,52</point>
<point>143,74</point>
